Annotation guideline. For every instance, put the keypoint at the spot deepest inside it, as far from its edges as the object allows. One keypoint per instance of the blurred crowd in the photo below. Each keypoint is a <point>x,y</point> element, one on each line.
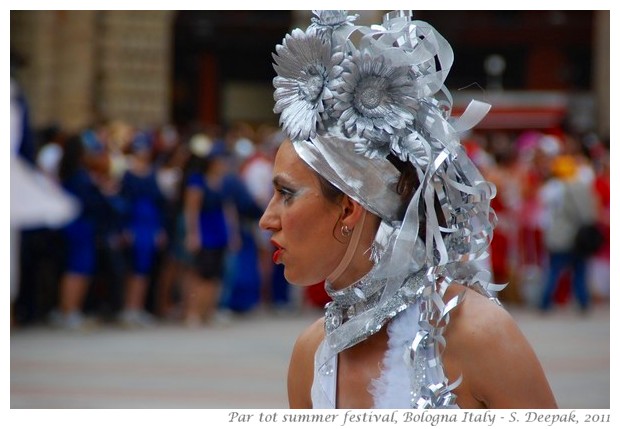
<point>165,222</point>
<point>167,227</point>
<point>549,185</point>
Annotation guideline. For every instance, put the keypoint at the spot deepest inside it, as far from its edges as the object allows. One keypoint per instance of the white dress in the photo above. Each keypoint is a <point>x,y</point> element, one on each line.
<point>400,376</point>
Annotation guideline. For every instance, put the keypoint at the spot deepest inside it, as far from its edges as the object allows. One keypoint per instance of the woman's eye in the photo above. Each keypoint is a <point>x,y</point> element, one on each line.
<point>286,194</point>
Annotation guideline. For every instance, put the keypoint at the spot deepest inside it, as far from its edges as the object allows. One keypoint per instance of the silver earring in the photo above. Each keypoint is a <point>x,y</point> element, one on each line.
<point>345,231</point>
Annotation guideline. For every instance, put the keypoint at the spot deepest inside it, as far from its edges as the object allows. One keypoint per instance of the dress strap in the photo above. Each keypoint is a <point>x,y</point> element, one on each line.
<point>323,393</point>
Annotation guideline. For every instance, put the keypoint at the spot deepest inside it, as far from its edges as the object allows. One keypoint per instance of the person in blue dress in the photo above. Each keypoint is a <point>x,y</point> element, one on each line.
<point>214,200</point>
<point>80,234</point>
<point>144,229</point>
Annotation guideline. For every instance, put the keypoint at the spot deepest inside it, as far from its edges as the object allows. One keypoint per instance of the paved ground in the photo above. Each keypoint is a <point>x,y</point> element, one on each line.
<point>243,364</point>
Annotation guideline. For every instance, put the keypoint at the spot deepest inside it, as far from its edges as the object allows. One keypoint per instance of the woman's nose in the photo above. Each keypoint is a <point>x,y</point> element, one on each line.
<point>269,220</point>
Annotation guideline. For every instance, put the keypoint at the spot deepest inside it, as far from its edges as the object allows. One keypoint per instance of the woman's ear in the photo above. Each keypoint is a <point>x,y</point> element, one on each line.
<point>351,212</point>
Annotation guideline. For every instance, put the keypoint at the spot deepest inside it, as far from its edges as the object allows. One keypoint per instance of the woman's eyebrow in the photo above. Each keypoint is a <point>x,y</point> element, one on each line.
<point>281,181</point>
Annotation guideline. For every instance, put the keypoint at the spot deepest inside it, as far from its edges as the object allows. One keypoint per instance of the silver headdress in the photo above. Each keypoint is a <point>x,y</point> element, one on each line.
<point>348,97</point>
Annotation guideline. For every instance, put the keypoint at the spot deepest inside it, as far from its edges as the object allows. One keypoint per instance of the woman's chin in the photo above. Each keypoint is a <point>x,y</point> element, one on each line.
<point>298,279</point>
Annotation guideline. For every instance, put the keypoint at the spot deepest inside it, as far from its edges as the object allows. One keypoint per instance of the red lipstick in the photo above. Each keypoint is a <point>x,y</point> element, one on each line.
<point>276,255</point>
<point>278,251</point>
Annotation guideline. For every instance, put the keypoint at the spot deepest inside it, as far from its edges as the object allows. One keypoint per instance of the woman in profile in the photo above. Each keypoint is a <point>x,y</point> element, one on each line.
<point>375,195</point>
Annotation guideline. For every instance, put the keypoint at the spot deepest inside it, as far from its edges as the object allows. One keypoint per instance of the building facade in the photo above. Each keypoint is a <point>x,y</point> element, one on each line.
<point>202,67</point>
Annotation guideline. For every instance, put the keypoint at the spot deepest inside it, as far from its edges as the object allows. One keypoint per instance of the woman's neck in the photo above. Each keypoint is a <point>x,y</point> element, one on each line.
<point>354,272</point>
<point>356,261</point>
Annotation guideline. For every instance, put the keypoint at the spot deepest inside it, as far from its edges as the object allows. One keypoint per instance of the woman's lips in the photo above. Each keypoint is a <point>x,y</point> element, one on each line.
<point>277,253</point>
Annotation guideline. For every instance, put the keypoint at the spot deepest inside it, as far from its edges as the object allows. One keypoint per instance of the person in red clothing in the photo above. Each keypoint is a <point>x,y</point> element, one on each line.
<point>599,265</point>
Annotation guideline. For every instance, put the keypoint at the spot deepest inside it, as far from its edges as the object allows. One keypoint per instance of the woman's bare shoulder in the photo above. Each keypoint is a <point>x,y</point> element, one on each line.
<point>486,345</point>
<point>477,313</point>
<point>308,342</point>
<point>479,325</point>
<point>313,334</point>
<point>301,367</point>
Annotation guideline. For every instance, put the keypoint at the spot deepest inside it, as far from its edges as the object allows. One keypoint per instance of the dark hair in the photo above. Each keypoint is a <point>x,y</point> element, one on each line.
<point>72,157</point>
<point>329,191</point>
<point>332,194</point>
<point>407,184</point>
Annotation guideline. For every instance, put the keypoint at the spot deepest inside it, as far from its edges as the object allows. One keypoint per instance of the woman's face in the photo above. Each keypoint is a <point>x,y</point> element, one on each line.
<point>303,222</point>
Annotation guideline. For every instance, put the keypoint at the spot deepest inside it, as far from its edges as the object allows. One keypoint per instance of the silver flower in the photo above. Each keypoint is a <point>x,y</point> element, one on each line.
<point>373,96</point>
<point>325,22</point>
<point>304,65</point>
<point>412,147</point>
<point>372,148</point>
<point>331,18</point>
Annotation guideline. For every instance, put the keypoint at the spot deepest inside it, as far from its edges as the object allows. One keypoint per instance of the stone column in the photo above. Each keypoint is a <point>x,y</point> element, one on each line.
<point>135,62</point>
<point>82,66</point>
<point>600,73</point>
